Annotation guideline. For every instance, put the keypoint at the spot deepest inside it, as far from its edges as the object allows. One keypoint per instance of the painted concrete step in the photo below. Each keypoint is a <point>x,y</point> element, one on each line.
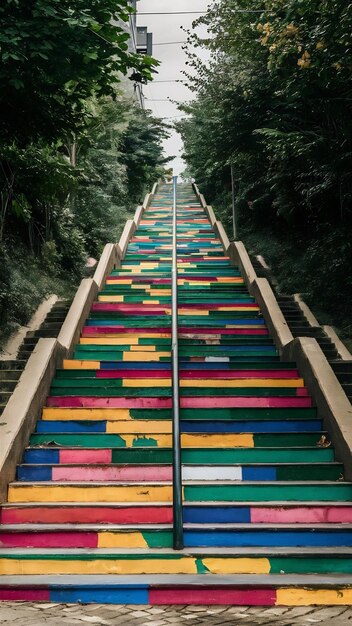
<point>185,402</point>
<point>313,512</point>
<point>196,491</point>
<point>138,473</point>
<point>204,381</point>
<point>111,360</point>
<point>188,440</point>
<point>209,373</point>
<point>240,590</point>
<point>212,366</point>
<point>143,389</point>
<point>202,562</point>
<point>54,454</point>
<point>202,414</point>
<point>215,426</point>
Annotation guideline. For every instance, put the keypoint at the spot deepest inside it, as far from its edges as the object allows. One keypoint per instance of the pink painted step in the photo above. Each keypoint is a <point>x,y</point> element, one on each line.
<point>185,402</point>
<point>107,306</point>
<point>96,331</point>
<point>208,595</point>
<point>24,595</point>
<point>57,539</point>
<point>159,514</point>
<point>137,473</point>
<point>204,374</point>
<point>83,514</point>
<point>85,456</point>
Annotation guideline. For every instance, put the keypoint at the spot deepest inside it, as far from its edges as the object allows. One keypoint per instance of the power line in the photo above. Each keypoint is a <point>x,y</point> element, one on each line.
<point>168,43</point>
<point>199,12</point>
<point>175,80</point>
<point>170,117</point>
<point>174,13</point>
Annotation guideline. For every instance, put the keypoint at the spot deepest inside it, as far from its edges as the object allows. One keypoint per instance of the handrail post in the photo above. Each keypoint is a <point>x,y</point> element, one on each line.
<point>178,542</point>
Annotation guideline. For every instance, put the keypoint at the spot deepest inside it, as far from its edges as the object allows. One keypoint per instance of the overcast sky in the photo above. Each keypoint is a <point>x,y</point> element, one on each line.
<point>165,29</point>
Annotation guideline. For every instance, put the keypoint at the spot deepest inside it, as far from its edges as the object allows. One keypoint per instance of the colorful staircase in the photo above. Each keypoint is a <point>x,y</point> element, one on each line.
<point>267,513</point>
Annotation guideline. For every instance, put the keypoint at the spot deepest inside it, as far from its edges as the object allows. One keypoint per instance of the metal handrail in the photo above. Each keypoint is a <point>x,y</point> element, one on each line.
<point>178,541</point>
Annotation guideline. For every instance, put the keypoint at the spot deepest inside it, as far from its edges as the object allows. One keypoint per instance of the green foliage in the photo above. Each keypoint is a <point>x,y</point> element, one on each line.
<point>142,153</point>
<point>75,151</point>
<point>54,56</point>
<point>60,214</point>
<point>275,102</point>
<point>24,282</point>
<point>118,161</point>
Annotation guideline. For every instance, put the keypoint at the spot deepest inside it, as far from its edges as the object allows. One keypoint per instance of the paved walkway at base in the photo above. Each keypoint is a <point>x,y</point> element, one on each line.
<point>115,615</point>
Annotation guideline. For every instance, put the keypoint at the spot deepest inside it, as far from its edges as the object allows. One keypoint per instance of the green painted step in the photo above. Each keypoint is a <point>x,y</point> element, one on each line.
<point>105,440</point>
<point>228,456</point>
<point>269,492</point>
<point>114,389</point>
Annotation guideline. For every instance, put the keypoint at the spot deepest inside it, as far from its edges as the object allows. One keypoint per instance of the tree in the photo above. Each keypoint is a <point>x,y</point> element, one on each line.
<point>54,56</point>
<point>275,101</point>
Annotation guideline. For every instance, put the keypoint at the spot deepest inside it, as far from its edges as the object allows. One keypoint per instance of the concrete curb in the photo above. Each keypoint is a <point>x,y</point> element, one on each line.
<point>332,402</point>
<point>272,314</point>
<point>24,407</point>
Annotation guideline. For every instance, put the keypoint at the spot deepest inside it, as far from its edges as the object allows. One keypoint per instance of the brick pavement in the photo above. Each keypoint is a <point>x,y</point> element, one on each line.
<point>26,614</point>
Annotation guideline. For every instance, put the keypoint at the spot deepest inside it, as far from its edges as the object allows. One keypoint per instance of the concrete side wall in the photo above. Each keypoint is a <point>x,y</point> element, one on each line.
<point>127,233</point>
<point>239,256</point>
<point>138,215</point>
<point>211,214</point>
<point>202,200</point>
<point>225,242</point>
<point>196,189</point>
<point>272,314</point>
<point>330,399</point>
<point>109,259</point>
<point>24,407</point>
<point>77,315</point>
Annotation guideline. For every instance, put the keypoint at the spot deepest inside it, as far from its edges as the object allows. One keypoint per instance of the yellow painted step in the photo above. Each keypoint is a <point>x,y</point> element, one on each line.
<point>62,413</point>
<point>184,565</point>
<point>51,492</point>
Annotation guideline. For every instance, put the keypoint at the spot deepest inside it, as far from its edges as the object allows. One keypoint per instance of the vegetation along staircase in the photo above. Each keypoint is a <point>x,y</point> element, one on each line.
<point>11,369</point>
<point>266,511</point>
